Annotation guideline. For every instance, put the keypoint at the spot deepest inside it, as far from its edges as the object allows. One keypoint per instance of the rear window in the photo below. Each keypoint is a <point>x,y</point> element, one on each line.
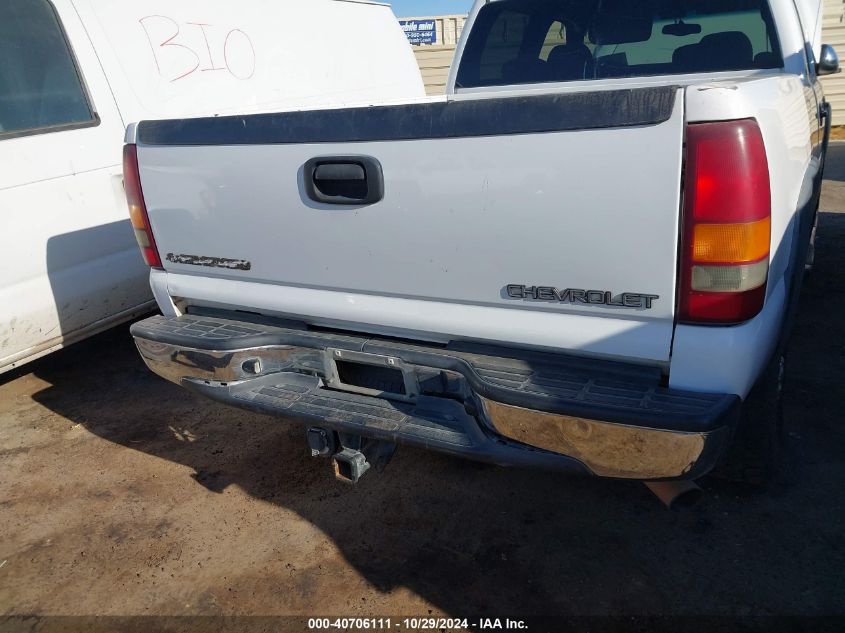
<point>533,41</point>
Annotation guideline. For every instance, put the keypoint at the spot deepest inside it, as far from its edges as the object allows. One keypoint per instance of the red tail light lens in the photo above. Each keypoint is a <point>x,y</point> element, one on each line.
<point>727,223</point>
<point>137,208</point>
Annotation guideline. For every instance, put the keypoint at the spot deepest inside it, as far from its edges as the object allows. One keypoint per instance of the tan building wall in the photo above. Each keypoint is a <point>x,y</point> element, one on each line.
<point>833,33</point>
<point>435,59</point>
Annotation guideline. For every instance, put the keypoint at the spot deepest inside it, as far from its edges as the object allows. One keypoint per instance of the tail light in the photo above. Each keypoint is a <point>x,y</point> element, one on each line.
<point>727,223</point>
<point>137,208</point>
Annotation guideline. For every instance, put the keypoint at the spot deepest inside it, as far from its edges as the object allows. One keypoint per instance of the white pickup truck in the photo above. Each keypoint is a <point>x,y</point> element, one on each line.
<point>585,257</point>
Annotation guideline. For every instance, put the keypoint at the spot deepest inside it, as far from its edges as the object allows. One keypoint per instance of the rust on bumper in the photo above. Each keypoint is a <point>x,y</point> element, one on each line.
<point>607,449</point>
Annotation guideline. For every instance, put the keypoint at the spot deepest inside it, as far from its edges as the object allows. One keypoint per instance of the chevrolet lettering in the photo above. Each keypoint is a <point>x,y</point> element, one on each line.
<point>576,295</point>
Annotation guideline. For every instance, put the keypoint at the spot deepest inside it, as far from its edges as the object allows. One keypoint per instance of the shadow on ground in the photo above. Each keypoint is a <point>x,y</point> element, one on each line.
<point>469,539</point>
<point>834,169</point>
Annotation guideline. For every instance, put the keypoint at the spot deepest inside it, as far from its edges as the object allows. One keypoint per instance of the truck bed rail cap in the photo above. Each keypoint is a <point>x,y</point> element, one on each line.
<point>453,119</point>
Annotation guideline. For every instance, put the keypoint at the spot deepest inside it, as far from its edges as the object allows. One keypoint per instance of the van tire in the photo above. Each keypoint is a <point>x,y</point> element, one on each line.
<point>754,455</point>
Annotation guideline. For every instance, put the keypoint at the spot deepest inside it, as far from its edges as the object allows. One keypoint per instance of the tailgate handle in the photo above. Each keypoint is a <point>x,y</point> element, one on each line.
<point>344,180</point>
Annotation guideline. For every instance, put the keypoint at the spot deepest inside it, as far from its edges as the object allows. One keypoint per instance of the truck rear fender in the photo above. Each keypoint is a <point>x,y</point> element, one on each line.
<point>730,359</point>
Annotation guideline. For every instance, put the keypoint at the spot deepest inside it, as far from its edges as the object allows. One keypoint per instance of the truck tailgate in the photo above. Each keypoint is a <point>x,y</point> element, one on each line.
<point>560,205</point>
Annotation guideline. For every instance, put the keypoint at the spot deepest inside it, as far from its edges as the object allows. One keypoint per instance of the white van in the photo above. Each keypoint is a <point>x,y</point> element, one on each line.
<point>74,73</point>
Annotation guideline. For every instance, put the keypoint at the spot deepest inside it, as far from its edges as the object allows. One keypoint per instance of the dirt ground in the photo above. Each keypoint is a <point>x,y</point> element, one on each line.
<point>123,494</point>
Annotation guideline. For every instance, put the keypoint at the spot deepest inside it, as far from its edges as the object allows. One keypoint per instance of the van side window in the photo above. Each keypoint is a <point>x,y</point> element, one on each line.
<point>571,40</point>
<point>40,86</point>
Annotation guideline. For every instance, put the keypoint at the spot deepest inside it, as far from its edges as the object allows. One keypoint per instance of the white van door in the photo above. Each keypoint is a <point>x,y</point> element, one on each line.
<point>191,58</point>
<point>71,262</point>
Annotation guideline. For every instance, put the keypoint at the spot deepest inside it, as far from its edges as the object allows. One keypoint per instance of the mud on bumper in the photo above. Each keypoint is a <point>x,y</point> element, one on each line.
<point>498,405</point>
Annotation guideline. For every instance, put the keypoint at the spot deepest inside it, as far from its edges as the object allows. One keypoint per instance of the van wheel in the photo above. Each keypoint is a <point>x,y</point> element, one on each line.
<point>753,456</point>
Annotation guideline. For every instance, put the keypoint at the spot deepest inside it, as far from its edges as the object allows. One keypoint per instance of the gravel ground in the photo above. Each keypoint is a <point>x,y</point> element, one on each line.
<point>123,494</point>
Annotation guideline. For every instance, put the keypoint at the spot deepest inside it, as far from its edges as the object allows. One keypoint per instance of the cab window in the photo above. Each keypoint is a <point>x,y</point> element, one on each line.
<point>531,41</point>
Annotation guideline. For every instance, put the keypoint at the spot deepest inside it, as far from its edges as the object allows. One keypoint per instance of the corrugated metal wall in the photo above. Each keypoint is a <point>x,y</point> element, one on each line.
<point>833,33</point>
<point>435,59</point>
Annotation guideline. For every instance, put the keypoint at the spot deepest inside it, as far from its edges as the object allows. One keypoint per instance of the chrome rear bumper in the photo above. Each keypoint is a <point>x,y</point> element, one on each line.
<point>491,404</point>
